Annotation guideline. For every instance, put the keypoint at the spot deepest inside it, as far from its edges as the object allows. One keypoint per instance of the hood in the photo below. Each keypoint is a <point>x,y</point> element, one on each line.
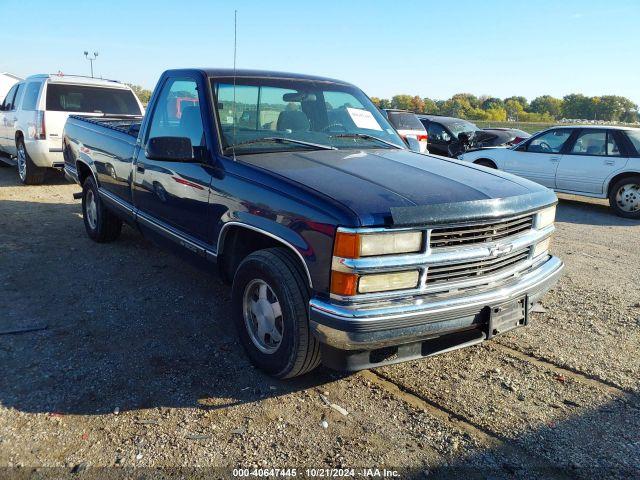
<point>373,182</point>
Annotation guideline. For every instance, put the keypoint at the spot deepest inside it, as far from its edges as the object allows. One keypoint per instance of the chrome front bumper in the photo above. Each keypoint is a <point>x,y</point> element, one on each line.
<point>378,325</point>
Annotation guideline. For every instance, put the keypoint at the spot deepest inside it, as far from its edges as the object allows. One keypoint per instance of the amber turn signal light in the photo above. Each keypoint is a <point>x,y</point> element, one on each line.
<point>347,245</point>
<point>344,283</point>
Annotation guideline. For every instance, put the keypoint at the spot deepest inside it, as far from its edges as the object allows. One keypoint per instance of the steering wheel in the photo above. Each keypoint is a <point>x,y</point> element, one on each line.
<point>546,147</point>
<point>329,127</point>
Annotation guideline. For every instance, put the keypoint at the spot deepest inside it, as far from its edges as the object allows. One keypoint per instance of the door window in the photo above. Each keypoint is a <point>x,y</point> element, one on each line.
<point>613,150</point>
<point>549,142</point>
<point>590,143</point>
<point>177,112</point>
<point>8,100</point>
<point>437,133</point>
<point>18,97</point>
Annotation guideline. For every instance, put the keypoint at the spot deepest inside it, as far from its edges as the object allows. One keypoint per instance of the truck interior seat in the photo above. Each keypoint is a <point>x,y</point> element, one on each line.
<point>294,120</point>
<point>191,125</point>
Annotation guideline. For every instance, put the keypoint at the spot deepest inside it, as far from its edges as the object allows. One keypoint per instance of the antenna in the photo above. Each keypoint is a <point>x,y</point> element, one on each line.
<point>235,50</point>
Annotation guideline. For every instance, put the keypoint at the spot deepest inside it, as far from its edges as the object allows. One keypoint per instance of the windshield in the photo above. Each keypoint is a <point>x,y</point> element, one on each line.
<point>459,127</point>
<point>79,98</point>
<point>261,115</point>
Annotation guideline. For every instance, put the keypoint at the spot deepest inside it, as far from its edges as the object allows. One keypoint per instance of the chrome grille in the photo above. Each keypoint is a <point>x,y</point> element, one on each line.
<point>457,236</point>
<point>470,270</point>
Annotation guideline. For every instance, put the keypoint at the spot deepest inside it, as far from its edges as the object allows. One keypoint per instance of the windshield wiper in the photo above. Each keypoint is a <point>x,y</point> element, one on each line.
<point>366,136</point>
<point>317,146</point>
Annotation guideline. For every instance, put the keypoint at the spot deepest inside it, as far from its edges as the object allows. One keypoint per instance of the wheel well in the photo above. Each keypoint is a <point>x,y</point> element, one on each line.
<point>239,242</point>
<point>620,176</point>
<point>19,134</point>
<point>83,172</point>
<point>478,162</point>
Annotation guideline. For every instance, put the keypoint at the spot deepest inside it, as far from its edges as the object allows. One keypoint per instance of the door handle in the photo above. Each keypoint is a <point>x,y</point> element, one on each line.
<point>140,167</point>
<point>609,162</point>
<point>554,159</point>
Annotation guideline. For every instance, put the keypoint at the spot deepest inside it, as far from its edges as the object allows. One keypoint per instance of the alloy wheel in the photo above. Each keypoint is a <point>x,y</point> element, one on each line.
<point>22,162</point>
<point>263,316</point>
<point>628,198</point>
<point>92,210</point>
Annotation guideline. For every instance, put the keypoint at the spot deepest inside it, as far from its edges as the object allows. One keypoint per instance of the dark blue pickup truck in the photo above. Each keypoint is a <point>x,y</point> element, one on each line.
<point>341,245</point>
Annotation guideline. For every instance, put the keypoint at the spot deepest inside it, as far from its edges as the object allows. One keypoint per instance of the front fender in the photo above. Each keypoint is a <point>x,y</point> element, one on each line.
<point>271,228</point>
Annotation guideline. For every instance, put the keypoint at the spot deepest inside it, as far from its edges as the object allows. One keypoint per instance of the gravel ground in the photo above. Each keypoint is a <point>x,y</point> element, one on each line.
<point>139,367</point>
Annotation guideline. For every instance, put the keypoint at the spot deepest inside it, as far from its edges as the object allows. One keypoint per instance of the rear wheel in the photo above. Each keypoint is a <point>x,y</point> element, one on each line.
<point>270,300</point>
<point>102,225</point>
<point>29,173</point>
<point>624,197</point>
<point>485,163</point>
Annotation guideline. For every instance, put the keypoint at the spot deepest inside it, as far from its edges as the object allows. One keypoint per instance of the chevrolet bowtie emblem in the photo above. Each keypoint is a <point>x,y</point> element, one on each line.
<point>498,250</point>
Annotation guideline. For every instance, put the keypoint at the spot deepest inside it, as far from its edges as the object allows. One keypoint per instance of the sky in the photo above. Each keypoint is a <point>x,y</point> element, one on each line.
<point>427,48</point>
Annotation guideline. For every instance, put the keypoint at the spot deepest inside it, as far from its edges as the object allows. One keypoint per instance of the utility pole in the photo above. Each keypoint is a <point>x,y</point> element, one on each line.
<point>95,55</point>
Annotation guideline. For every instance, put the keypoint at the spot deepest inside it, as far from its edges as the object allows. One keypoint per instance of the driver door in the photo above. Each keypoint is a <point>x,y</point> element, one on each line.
<point>173,196</point>
<point>538,159</point>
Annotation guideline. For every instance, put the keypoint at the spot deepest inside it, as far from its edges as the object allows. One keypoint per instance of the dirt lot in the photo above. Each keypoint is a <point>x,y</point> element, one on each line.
<point>139,367</point>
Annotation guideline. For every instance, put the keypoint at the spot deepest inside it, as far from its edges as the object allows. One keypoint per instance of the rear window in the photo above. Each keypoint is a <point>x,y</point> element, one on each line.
<point>78,98</point>
<point>405,121</point>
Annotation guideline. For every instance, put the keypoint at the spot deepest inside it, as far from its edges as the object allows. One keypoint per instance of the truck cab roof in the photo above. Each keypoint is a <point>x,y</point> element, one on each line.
<point>250,73</point>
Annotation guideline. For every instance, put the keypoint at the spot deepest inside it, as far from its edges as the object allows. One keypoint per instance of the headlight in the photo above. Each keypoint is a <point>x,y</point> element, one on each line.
<point>384,282</point>
<point>545,217</point>
<point>390,243</point>
<point>353,245</point>
<point>542,247</point>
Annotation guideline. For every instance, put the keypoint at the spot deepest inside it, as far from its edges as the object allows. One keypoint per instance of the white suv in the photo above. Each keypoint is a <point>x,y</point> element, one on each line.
<point>35,110</point>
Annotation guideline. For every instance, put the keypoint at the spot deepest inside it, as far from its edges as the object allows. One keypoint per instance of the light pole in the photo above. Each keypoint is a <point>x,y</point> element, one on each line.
<point>95,55</point>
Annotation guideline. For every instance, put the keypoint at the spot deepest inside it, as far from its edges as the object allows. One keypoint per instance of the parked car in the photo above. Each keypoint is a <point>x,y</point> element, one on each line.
<point>444,135</point>
<point>599,162</point>
<point>341,244</point>
<point>408,126</point>
<point>35,110</point>
<point>504,136</point>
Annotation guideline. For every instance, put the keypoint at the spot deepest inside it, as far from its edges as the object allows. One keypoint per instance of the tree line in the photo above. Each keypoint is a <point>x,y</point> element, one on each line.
<point>611,108</point>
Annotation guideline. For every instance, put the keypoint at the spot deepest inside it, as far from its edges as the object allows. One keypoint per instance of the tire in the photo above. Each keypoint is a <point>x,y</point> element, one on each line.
<point>29,173</point>
<point>102,225</point>
<point>297,351</point>
<point>624,197</point>
<point>486,163</point>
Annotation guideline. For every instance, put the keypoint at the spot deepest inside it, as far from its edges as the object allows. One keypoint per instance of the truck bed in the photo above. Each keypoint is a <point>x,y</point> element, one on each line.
<point>128,124</point>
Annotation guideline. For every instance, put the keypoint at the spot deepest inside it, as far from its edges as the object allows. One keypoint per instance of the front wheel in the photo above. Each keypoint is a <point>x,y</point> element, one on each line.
<point>270,301</point>
<point>624,197</point>
<point>101,224</point>
<point>29,172</point>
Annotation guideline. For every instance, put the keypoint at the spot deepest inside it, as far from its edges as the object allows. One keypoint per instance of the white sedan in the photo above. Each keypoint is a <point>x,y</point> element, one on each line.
<point>592,161</point>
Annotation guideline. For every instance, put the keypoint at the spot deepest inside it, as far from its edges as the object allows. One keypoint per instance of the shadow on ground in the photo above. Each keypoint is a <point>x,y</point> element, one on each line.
<point>127,325</point>
<point>572,210</point>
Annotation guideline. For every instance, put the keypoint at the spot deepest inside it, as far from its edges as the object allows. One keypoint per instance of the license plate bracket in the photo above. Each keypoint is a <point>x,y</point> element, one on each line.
<point>507,316</point>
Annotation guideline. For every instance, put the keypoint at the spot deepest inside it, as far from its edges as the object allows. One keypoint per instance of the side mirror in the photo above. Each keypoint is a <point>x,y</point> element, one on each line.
<point>413,144</point>
<point>170,149</point>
